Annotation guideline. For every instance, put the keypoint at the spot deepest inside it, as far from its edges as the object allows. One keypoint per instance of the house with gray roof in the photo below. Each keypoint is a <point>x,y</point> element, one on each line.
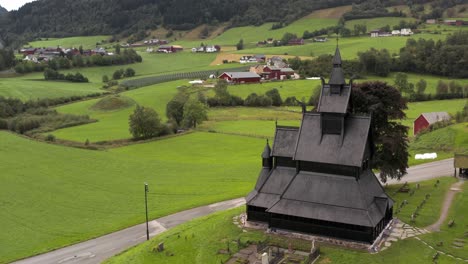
<point>318,178</point>
<point>240,77</point>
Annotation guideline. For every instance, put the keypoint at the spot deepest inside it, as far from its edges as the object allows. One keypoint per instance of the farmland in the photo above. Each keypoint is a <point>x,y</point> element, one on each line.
<point>71,42</point>
<point>66,195</point>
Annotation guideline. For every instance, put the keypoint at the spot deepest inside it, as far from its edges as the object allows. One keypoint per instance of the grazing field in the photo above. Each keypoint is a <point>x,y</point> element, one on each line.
<point>113,125</point>
<point>196,241</point>
<point>33,86</point>
<point>349,47</point>
<point>66,195</point>
<point>88,42</point>
<point>377,23</point>
<point>298,88</point>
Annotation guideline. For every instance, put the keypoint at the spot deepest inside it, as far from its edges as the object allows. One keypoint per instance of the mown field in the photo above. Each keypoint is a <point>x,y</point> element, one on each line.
<point>65,195</point>
<point>113,125</point>
<point>195,240</point>
<point>349,47</point>
<point>378,22</point>
<point>88,42</point>
<point>33,86</point>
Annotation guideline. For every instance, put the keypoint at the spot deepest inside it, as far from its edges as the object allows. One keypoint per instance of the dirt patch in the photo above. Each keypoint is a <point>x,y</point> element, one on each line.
<point>235,57</point>
<point>194,34</point>
<point>335,12</point>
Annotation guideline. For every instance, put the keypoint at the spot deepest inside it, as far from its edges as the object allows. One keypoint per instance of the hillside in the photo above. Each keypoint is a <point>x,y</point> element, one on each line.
<point>3,10</point>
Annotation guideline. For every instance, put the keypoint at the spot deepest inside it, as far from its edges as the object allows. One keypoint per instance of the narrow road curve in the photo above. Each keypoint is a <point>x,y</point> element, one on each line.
<point>97,250</point>
<point>456,187</point>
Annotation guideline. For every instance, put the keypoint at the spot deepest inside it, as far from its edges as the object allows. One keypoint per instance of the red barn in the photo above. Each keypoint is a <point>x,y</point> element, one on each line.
<point>240,77</point>
<point>427,119</point>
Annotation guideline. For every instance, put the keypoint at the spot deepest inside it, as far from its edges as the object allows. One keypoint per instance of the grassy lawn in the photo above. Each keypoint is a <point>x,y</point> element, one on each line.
<point>88,42</point>
<point>66,195</point>
<point>447,235</point>
<point>196,241</point>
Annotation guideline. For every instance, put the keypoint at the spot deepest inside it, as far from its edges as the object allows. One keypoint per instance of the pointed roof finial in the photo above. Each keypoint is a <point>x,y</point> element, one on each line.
<point>337,58</point>
<point>276,123</point>
<point>267,151</point>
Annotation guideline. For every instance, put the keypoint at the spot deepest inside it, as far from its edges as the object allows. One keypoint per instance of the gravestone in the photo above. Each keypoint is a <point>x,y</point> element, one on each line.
<point>265,259</point>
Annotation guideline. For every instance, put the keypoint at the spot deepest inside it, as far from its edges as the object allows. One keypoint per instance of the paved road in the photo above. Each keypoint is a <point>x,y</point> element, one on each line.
<point>427,171</point>
<point>96,250</point>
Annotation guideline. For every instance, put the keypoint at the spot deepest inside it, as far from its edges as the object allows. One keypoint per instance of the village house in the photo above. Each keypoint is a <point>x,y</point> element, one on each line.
<point>299,41</point>
<point>258,58</point>
<point>396,32</point>
<point>427,119</point>
<point>317,177</point>
<point>277,61</point>
<point>275,73</point>
<point>431,21</point>
<point>406,32</point>
<point>169,48</point>
<point>320,39</point>
<point>207,49</point>
<point>240,77</point>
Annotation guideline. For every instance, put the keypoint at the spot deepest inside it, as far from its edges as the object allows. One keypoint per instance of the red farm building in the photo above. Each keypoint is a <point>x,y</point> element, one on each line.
<point>240,77</point>
<point>170,48</point>
<point>273,72</point>
<point>427,119</point>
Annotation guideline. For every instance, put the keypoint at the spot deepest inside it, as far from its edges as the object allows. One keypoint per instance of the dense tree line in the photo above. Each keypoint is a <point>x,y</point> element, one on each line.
<point>53,75</point>
<point>34,117</point>
<point>370,9</point>
<point>7,59</point>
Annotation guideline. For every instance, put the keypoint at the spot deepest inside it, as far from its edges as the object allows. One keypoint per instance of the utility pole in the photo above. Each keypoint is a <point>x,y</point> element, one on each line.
<point>146,207</point>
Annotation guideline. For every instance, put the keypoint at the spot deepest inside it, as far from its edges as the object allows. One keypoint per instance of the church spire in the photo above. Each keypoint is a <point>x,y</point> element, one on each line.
<point>337,74</point>
<point>267,159</point>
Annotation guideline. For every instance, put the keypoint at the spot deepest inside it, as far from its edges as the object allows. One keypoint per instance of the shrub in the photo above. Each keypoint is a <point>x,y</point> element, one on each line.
<point>291,101</point>
<point>275,97</point>
<point>50,138</point>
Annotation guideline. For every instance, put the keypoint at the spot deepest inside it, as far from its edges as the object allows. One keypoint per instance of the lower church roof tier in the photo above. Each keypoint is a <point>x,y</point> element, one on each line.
<point>285,141</point>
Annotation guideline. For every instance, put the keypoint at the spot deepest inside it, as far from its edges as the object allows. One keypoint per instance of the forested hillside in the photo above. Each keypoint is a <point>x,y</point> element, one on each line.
<point>60,18</point>
<point>2,10</point>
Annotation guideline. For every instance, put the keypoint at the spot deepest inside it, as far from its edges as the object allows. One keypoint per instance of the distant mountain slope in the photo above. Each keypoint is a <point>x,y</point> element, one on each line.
<point>52,18</point>
<point>3,10</point>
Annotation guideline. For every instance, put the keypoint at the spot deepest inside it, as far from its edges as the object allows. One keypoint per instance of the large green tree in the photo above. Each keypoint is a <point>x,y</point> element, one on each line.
<point>195,113</point>
<point>145,123</point>
<point>386,106</point>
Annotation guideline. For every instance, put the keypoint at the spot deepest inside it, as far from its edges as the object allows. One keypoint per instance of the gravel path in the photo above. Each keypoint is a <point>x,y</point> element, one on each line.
<point>456,187</point>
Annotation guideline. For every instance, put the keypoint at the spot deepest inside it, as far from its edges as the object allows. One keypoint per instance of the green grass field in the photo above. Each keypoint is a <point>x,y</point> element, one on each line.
<point>88,42</point>
<point>349,47</point>
<point>451,139</point>
<point>377,23</point>
<point>33,86</point>
<point>113,125</point>
<point>196,242</point>
<point>66,195</point>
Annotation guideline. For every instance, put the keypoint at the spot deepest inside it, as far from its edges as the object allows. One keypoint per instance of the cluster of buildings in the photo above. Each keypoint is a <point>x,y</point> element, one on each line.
<point>166,49</point>
<point>274,68</point>
<point>207,49</point>
<point>150,42</point>
<point>291,42</point>
<point>46,54</point>
<point>380,33</point>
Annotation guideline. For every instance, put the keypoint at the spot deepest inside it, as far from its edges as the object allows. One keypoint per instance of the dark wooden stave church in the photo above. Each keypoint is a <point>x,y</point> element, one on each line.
<point>317,178</point>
